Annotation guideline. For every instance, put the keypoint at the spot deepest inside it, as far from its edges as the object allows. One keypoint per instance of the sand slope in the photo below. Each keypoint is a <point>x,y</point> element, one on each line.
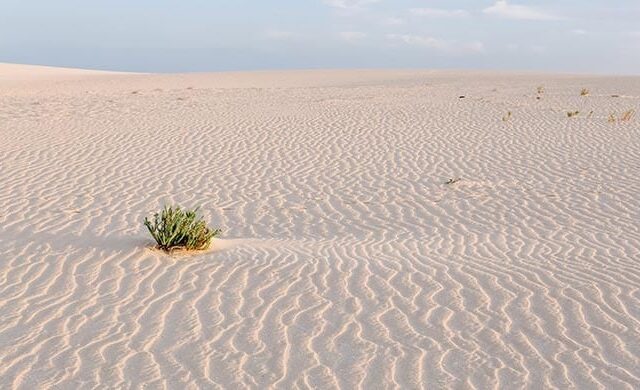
<point>18,73</point>
<point>347,262</point>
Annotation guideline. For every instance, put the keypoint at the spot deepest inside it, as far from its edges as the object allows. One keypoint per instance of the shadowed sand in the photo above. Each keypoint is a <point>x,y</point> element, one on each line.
<point>346,261</point>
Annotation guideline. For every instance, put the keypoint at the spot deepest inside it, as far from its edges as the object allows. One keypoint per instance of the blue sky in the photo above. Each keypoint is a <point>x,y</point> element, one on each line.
<point>599,36</point>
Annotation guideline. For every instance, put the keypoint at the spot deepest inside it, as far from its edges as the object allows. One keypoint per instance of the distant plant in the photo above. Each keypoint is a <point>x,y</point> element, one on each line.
<point>540,90</point>
<point>452,180</point>
<point>584,92</point>
<point>571,114</point>
<point>627,115</point>
<point>506,117</point>
<point>174,228</point>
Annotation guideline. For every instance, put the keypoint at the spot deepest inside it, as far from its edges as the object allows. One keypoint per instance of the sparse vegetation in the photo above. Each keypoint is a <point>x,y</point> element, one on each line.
<point>627,115</point>
<point>452,181</point>
<point>174,228</point>
<point>584,92</point>
<point>540,90</point>
<point>506,117</point>
<point>572,114</point>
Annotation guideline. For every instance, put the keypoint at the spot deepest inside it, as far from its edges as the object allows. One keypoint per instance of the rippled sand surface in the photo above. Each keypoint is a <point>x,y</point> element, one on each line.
<point>346,261</point>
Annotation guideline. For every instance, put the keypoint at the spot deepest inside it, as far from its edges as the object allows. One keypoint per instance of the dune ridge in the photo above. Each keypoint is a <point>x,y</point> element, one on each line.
<point>347,262</point>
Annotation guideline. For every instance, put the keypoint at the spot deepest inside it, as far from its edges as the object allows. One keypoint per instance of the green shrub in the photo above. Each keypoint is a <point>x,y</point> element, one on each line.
<point>176,228</point>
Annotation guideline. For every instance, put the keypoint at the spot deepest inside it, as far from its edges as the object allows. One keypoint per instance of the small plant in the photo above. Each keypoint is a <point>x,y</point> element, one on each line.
<point>624,117</point>
<point>540,90</point>
<point>175,228</point>
<point>506,117</point>
<point>452,181</point>
<point>584,92</point>
<point>590,114</point>
<point>627,115</point>
<point>571,114</point>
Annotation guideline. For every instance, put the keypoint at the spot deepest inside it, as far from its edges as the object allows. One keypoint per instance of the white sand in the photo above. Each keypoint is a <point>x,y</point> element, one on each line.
<point>15,73</point>
<point>346,262</point>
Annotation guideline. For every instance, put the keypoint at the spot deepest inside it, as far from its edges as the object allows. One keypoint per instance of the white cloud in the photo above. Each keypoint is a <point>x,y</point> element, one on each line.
<point>503,9</point>
<point>352,36</point>
<point>349,4</point>
<point>440,13</point>
<point>579,31</point>
<point>437,44</point>
<point>418,40</point>
<point>476,46</point>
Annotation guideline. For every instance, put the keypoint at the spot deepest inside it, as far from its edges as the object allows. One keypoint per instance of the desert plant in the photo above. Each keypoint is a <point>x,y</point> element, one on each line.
<point>540,90</point>
<point>624,117</point>
<point>452,181</point>
<point>627,115</point>
<point>584,92</point>
<point>506,117</point>
<point>176,228</point>
<point>571,114</point>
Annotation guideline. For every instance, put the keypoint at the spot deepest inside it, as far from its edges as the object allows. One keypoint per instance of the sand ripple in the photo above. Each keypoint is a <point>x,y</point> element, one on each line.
<point>347,262</point>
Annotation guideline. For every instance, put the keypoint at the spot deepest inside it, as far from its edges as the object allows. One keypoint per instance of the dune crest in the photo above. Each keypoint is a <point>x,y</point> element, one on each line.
<point>25,73</point>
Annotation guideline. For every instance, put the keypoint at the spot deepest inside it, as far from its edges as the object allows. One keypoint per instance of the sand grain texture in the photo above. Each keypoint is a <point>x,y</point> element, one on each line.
<point>347,262</point>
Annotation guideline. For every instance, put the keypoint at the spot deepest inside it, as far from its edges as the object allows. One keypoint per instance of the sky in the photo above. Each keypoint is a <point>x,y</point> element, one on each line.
<point>585,36</point>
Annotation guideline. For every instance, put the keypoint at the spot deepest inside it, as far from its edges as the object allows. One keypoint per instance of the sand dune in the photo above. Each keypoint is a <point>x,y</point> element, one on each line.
<point>346,261</point>
<point>18,73</point>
